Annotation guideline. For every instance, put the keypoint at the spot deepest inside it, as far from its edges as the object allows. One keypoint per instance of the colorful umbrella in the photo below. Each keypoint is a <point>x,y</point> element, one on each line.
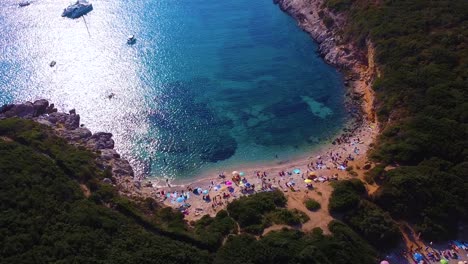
<point>180,199</point>
<point>444,261</point>
<point>205,192</point>
<point>235,173</point>
<point>297,171</point>
<point>241,173</point>
<point>307,180</point>
<point>228,183</point>
<point>419,257</point>
<point>384,262</point>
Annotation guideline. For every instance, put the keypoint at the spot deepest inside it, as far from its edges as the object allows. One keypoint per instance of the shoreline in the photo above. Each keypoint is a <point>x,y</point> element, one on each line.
<point>358,70</point>
<point>328,161</point>
<point>346,58</point>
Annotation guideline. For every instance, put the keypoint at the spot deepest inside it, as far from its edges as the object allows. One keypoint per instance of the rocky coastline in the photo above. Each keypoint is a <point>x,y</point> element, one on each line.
<point>357,64</point>
<point>68,127</point>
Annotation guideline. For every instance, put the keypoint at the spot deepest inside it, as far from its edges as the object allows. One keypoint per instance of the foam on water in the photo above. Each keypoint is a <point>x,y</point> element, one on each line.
<point>208,85</point>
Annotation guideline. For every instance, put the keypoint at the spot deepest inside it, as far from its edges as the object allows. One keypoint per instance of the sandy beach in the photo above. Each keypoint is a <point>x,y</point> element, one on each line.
<point>208,194</point>
<point>343,157</point>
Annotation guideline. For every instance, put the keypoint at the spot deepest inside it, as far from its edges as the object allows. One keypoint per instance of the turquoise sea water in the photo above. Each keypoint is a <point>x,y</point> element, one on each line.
<point>209,84</point>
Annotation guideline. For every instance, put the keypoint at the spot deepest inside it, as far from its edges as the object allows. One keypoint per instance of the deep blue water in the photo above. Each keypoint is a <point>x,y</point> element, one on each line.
<point>229,81</point>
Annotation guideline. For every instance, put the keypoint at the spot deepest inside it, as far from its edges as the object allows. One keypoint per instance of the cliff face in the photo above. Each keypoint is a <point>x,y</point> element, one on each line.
<point>324,26</point>
<point>311,17</point>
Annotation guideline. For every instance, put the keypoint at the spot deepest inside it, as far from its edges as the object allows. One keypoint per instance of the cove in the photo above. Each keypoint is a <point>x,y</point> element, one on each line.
<point>208,85</point>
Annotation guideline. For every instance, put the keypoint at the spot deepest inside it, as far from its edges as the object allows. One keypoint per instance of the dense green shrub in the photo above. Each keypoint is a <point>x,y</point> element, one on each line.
<point>430,195</point>
<point>374,224</point>
<point>312,205</point>
<point>288,217</point>
<point>345,195</point>
<point>376,174</point>
<point>212,230</point>
<point>291,246</point>
<point>251,210</point>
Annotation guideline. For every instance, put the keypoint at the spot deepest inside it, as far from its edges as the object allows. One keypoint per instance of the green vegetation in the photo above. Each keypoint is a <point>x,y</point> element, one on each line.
<point>375,175</point>
<point>312,205</point>
<point>422,53</point>
<point>47,218</point>
<point>255,213</point>
<point>367,219</point>
<point>214,230</point>
<point>291,246</point>
<point>346,195</point>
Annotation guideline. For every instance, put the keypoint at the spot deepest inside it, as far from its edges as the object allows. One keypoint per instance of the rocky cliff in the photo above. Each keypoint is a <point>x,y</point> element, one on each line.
<point>326,27</point>
<point>67,126</point>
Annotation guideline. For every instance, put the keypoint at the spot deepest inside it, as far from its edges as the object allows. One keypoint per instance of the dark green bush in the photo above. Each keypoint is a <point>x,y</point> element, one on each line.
<point>312,205</point>
<point>374,224</point>
<point>345,195</point>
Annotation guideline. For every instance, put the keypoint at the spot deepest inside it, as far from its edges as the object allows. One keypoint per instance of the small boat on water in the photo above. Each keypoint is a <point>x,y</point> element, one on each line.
<point>131,40</point>
<point>78,9</point>
<point>52,63</point>
<point>24,3</point>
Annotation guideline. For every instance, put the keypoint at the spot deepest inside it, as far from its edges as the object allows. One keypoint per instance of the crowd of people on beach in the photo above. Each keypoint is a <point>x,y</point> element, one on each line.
<point>216,194</point>
<point>455,250</point>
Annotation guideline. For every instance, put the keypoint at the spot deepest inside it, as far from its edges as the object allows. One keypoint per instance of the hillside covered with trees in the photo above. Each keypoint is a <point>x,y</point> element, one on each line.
<point>422,104</point>
<point>56,209</point>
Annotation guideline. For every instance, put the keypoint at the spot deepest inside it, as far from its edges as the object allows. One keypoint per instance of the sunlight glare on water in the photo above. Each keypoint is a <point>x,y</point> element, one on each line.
<point>208,84</point>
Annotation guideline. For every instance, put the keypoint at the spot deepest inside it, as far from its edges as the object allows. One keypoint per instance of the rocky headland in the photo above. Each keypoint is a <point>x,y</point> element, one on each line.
<point>68,127</point>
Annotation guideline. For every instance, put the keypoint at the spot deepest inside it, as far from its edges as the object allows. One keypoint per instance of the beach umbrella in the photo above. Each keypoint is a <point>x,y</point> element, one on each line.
<point>230,189</point>
<point>205,192</point>
<point>460,262</point>
<point>248,185</point>
<point>312,173</point>
<point>228,183</point>
<point>168,195</point>
<point>180,199</point>
<point>297,171</point>
<point>235,173</point>
<point>307,180</point>
<point>241,173</point>
<point>384,262</point>
<point>418,257</point>
<point>444,261</point>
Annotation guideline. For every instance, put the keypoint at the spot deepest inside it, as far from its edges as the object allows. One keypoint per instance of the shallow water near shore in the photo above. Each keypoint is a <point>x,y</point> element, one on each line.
<point>208,85</point>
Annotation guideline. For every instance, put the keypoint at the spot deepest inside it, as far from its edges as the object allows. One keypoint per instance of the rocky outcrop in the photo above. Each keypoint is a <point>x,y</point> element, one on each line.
<point>326,27</point>
<point>311,16</point>
<point>100,140</point>
<point>67,126</point>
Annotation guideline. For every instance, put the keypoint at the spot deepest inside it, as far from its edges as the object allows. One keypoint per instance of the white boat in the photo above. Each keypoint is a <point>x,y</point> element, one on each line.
<point>24,3</point>
<point>131,40</point>
<point>76,10</point>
